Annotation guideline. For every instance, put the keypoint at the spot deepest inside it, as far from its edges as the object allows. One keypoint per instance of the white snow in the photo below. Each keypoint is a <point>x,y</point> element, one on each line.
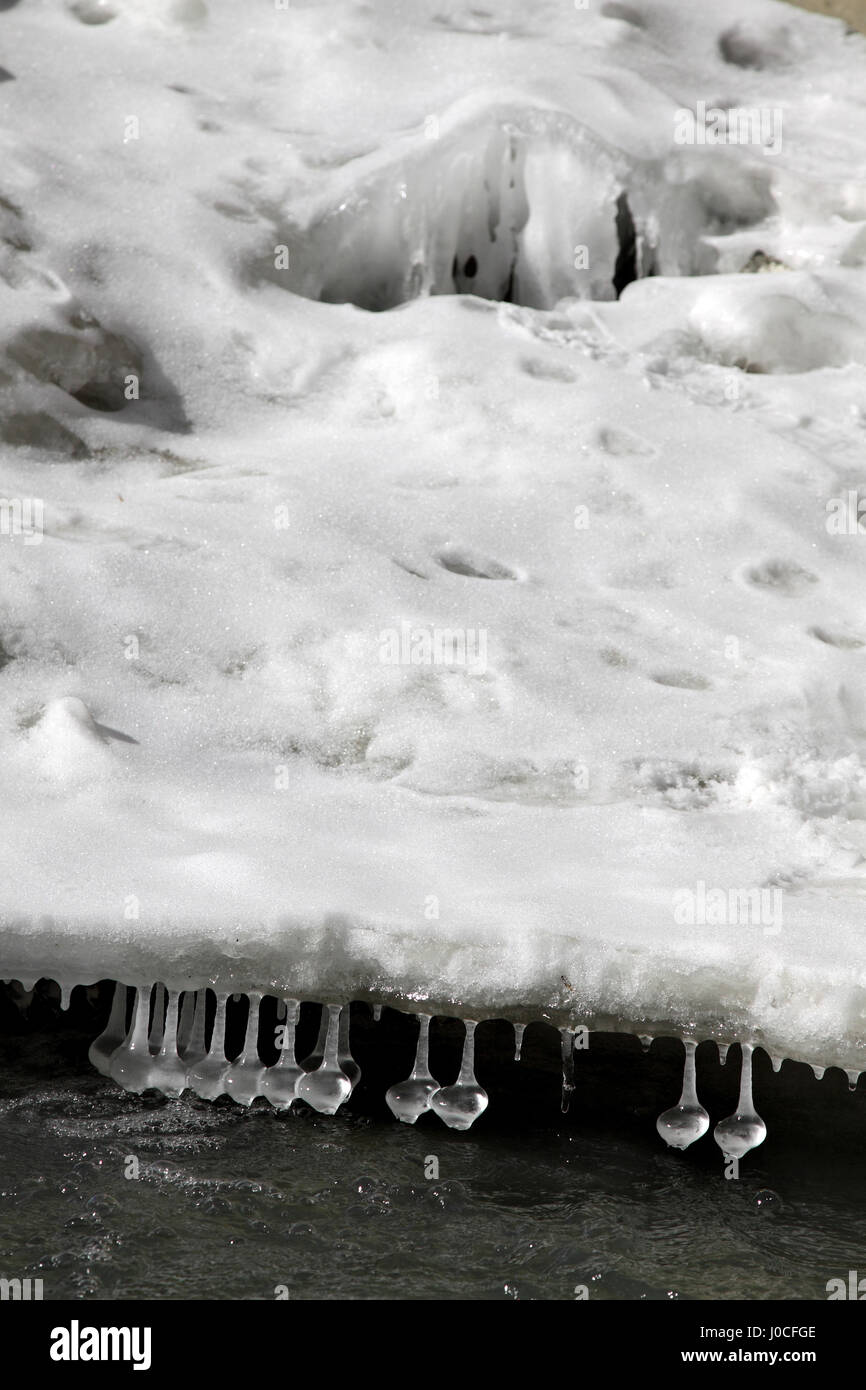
<point>603,527</point>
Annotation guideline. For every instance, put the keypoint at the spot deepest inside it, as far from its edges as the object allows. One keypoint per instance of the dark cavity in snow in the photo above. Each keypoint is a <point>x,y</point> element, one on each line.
<point>494,209</point>
<point>521,205</point>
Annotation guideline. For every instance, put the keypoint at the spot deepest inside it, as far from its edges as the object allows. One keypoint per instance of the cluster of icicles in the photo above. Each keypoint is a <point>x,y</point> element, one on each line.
<point>688,1120</point>
<point>165,1047</point>
<point>169,1053</point>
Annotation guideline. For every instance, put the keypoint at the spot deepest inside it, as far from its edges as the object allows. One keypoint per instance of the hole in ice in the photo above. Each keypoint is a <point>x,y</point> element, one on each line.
<point>751,44</point>
<point>779,576</point>
<point>622,443</point>
<point>836,639</point>
<point>36,430</point>
<point>681,680</point>
<point>685,786</point>
<point>759,263</point>
<point>408,568</point>
<point>91,365</point>
<point>471,565</point>
<point>626,268</point>
<point>544,370</point>
<point>611,656</point>
<point>93,11</point>
<point>613,9</point>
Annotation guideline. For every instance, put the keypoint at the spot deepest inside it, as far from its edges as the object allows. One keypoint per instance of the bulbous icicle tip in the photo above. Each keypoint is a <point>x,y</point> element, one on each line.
<point>460,1105</point>
<point>744,1130</point>
<point>409,1099</point>
<point>326,1086</point>
<point>687,1121</point>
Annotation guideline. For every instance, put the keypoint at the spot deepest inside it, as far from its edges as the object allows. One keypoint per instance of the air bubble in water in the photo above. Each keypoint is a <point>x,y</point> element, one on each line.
<point>744,1130</point>
<point>206,1078</point>
<point>243,1079</point>
<point>768,1202</point>
<point>461,1104</point>
<point>688,1120</point>
<point>101,1048</point>
<point>410,1098</point>
<point>519,1030</point>
<point>280,1081</point>
<point>328,1086</point>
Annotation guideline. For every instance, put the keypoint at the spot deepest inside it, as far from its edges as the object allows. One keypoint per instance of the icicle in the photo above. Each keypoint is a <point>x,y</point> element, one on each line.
<point>745,1129</point>
<point>168,1072</point>
<point>207,1076</point>
<point>194,1050</point>
<point>316,1057</point>
<point>157,1026</point>
<point>326,1088</point>
<point>723,1052</point>
<point>645,1040</point>
<point>688,1120</point>
<point>567,1048</point>
<point>819,1073</point>
<point>243,1079</point>
<point>410,1098</point>
<point>22,996</point>
<point>853,1078</point>
<point>461,1104</point>
<point>776,1062</point>
<point>101,1048</point>
<point>377,1012</point>
<point>344,1055</point>
<point>65,996</point>
<point>519,1030</point>
<point>280,1082</point>
<point>131,1062</point>
<point>184,1027</point>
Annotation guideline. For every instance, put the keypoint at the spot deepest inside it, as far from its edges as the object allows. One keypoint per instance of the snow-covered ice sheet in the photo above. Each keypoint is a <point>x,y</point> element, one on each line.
<point>506,656</point>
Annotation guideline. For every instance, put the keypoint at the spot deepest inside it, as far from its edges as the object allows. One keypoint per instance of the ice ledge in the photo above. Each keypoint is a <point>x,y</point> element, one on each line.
<point>792,1008</point>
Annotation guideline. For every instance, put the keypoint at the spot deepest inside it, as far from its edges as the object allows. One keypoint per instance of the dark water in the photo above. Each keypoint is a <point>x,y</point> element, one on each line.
<point>231,1204</point>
